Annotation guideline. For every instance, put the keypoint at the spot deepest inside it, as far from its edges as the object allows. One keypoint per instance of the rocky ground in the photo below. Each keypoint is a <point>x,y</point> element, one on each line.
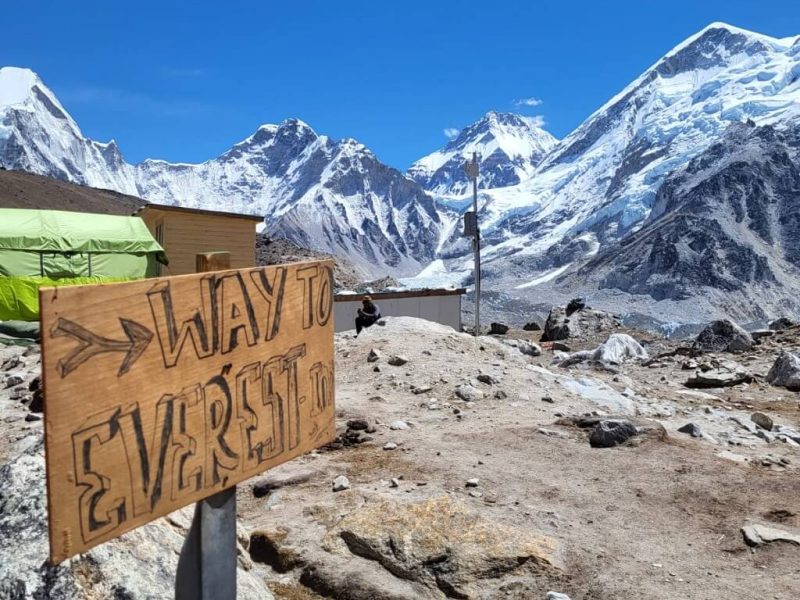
<point>474,468</point>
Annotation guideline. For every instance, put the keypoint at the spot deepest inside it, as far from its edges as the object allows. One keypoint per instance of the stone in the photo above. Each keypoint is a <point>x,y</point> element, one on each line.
<point>341,483</point>
<point>617,349</point>
<point>785,371</point>
<point>395,482</point>
<point>269,547</point>
<point>560,347</point>
<point>397,360</point>
<point>762,420</point>
<point>469,393</point>
<point>140,564</point>
<point>723,335</point>
<point>398,425</point>
<point>390,446</point>
<point>13,379</point>
<point>556,596</point>
<point>498,329</point>
<point>474,482</point>
<point>691,429</point>
<point>500,395</point>
<point>277,480</point>
<point>718,377</point>
<point>758,535</point>
<point>358,424</point>
<point>561,326</point>
<point>575,305</point>
<point>782,323</point>
<point>548,399</point>
<point>609,433</point>
<point>487,379</point>
<point>373,356</point>
<point>421,389</point>
<point>441,545</point>
<point>529,348</point>
<point>760,334</point>
<point>532,326</point>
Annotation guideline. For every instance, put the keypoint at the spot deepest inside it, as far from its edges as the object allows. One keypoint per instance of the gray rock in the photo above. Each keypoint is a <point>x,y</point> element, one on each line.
<point>691,429</point>
<point>718,377</point>
<point>397,360</point>
<point>758,535</point>
<point>560,325</point>
<point>785,372</point>
<point>556,596</point>
<point>487,379</point>
<point>438,544</point>
<point>609,433</point>
<point>13,379</point>
<point>617,349</point>
<point>358,424</point>
<point>390,446</point>
<point>529,348</point>
<point>498,329</point>
<point>474,482</point>
<point>782,323</point>
<point>762,420</point>
<point>373,356</point>
<point>139,565</point>
<point>468,392</point>
<point>341,483</point>
<point>398,425</point>
<point>421,389</point>
<point>532,326</point>
<point>760,334</point>
<point>277,480</point>
<point>723,336</point>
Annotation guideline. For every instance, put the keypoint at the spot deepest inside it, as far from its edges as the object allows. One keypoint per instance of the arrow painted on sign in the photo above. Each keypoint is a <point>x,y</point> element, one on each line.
<point>91,344</point>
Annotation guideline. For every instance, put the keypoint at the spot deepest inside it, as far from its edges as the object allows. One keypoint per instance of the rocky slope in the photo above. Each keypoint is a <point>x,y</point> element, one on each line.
<point>474,469</point>
<point>725,228</point>
<point>332,196</point>
<point>509,147</point>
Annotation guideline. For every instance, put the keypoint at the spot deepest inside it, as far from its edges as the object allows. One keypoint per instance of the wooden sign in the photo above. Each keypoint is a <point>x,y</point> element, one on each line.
<point>161,392</point>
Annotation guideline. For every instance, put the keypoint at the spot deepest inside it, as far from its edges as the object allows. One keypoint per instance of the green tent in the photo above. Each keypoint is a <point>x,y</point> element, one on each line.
<point>51,247</point>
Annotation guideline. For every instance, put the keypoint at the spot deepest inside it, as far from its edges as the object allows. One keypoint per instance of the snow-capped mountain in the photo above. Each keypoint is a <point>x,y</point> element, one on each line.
<point>333,196</point>
<point>602,179</point>
<point>509,147</point>
<point>39,136</point>
<point>724,231</point>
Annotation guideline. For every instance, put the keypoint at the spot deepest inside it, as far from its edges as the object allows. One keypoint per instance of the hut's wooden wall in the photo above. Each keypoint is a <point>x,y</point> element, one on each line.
<point>185,234</point>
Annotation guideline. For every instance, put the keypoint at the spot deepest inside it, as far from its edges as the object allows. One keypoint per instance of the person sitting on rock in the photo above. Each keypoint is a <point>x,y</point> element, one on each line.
<point>368,314</point>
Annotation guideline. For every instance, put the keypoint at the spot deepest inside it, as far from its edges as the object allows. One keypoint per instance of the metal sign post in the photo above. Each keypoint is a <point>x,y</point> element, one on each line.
<point>471,229</point>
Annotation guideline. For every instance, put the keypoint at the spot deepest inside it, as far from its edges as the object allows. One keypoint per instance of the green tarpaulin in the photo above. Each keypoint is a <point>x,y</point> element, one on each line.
<point>47,247</point>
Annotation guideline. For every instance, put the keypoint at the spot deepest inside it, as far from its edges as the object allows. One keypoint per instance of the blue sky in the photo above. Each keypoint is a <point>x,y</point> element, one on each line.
<point>183,82</point>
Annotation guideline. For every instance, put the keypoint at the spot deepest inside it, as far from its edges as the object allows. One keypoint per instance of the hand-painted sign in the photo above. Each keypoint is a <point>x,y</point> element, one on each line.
<point>161,392</point>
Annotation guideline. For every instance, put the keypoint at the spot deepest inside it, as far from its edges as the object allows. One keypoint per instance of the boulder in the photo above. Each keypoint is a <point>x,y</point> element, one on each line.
<point>785,372</point>
<point>561,325</point>
<point>723,336</point>
<point>498,329</point>
<point>373,356</point>
<point>717,378</point>
<point>397,360</point>
<point>468,392</point>
<point>609,433</point>
<point>136,566</point>
<point>758,535</point>
<point>782,323</point>
<point>532,326</point>
<point>617,349</point>
<point>691,429</point>
<point>441,545</point>
<point>762,421</point>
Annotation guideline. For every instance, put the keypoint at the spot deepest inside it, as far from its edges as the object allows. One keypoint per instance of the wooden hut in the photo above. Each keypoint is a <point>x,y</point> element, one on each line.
<point>186,232</point>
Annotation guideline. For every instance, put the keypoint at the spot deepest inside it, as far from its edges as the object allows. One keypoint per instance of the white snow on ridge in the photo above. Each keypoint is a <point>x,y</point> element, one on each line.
<point>548,276</point>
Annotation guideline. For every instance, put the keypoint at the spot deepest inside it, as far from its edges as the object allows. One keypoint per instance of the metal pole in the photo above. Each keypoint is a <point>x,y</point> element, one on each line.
<point>476,245</point>
<point>207,564</point>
